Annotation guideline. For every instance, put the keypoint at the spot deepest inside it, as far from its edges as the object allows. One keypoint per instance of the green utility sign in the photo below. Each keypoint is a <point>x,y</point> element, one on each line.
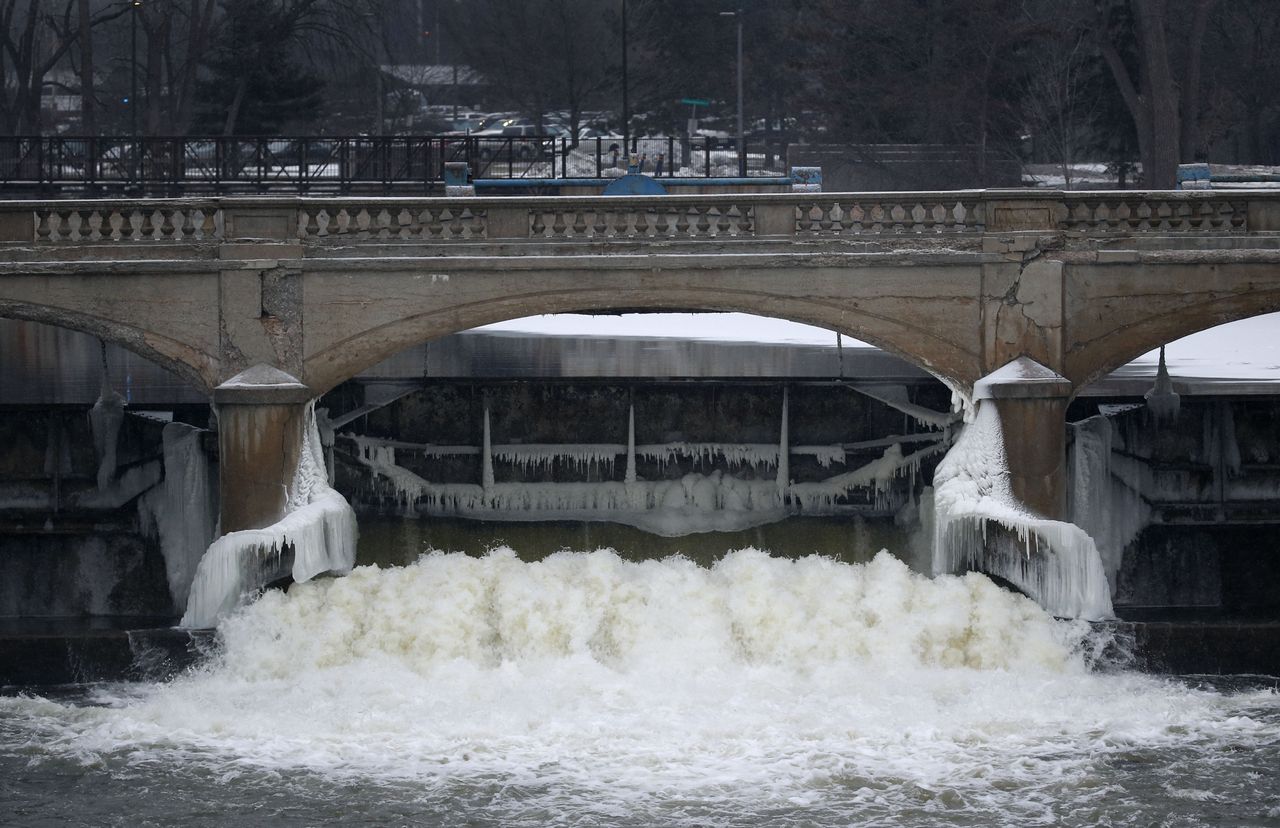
<point>695,102</point>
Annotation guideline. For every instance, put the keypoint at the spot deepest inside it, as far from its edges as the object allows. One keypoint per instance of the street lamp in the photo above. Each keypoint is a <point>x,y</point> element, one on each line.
<point>133,69</point>
<point>742,147</point>
<point>626,109</point>
<point>133,87</point>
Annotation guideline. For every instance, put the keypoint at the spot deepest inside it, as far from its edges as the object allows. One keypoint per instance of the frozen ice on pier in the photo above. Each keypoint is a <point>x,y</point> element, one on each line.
<point>182,509</point>
<point>1106,505</point>
<point>318,530</point>
<point>1055,562</point>
<point>105,419</point>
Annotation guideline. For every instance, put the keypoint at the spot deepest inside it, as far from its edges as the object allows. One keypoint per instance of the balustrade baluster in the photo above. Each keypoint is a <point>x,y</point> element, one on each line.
<point>703,224</point>
<point>64,226</point>
<point>722,220</point>
<point>429,220</point>
<point>167,227</point>
<point>918,217</point>
<point>825,217</point>
<point>662,222</point>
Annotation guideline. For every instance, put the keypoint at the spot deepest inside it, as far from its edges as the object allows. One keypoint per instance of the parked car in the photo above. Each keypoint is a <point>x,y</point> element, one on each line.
<point>491,144</point>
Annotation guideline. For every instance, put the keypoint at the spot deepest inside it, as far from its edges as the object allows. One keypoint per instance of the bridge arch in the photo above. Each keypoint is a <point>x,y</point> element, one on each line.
<point>1122,345</point>
<point>192,365</point>
<point>905,338</point>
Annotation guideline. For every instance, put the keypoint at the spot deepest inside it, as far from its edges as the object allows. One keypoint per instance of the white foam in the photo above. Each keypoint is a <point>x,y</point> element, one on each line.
<point>657,693</point>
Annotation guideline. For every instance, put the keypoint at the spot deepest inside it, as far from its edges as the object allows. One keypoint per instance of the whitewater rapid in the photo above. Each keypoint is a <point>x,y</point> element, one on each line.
<point>585,689</point>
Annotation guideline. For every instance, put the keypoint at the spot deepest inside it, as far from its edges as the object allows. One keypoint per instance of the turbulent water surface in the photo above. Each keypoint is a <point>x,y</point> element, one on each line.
<point>584,689</point>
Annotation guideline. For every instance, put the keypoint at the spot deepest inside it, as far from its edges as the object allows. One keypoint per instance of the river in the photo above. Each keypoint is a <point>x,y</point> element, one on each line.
<point>587,689</point>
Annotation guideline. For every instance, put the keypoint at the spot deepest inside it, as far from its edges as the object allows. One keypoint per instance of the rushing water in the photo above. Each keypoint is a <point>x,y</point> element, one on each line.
<point>585,689</point>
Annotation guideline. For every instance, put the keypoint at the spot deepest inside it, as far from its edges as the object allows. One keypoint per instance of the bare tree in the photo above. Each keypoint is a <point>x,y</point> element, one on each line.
<point>1162,90</point>
<point>540,54</point>
<point>33,40</point>
<point>1060,113</point>
<point>177,36</point>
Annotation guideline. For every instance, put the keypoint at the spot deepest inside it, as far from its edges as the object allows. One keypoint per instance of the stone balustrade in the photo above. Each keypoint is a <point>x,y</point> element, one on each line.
<point>718,217</point>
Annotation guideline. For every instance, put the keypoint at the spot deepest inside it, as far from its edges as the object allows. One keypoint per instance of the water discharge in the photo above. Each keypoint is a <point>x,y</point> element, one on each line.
<point>583,689</point>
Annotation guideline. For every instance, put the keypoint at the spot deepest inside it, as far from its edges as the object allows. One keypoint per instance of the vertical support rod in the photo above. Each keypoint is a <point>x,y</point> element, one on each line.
<point>784,449</point>
<point>631,444</point>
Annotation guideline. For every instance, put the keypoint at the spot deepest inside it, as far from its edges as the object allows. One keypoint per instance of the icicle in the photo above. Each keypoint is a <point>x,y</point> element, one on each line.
<point>1162,400</point>
<point>631,444</point>
<point>486,454</point>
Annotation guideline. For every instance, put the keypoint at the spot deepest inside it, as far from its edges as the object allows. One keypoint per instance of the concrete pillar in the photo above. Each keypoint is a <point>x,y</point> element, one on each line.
<point>261,417</point>
<point>1032,403</point>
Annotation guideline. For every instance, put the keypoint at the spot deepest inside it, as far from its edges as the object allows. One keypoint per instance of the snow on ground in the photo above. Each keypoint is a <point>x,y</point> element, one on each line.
<point>1248,350</point>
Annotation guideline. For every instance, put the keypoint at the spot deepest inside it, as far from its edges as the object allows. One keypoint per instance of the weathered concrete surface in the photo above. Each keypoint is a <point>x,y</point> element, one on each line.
<point>959,283</point>
<point>1035,446</point>
<point>258,449</point>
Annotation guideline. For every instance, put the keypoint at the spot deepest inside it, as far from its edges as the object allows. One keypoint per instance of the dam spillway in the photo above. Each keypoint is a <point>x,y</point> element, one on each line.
<point>573,420</point>
<point>634,679</point>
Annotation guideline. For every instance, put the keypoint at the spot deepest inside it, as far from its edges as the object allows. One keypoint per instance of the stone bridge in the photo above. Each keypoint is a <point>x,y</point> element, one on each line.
<point>222,290</point>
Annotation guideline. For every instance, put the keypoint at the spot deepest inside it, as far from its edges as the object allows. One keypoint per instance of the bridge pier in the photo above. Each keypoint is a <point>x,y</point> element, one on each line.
<point>261,416</point>
<point>1031,401</point>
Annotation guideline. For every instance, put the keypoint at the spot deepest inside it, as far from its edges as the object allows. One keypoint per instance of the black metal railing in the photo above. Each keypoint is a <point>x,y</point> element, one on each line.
<point>201,165</point>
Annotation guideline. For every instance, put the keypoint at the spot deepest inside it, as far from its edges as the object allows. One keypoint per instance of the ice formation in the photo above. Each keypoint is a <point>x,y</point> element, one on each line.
<point>703,454</point>
<point>895,397</point>
<point>692,503</point>
<point>1162,400</point>
<point>105,419</point>
<point>878,475</point>
<point>695,502</point>
<point>182,509</point>
<point>540,458</point>
<point>1112,511</point>
<point>318,531</point>
<point>978,524</point>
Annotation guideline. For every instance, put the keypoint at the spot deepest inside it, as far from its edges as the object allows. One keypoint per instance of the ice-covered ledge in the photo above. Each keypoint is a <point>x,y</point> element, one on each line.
<point>262,384</point>
<point>1021,378</point>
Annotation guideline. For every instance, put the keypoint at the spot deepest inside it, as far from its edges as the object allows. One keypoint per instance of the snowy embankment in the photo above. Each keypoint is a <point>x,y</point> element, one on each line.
<point>318,530</point>
<point>1054,562</point>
